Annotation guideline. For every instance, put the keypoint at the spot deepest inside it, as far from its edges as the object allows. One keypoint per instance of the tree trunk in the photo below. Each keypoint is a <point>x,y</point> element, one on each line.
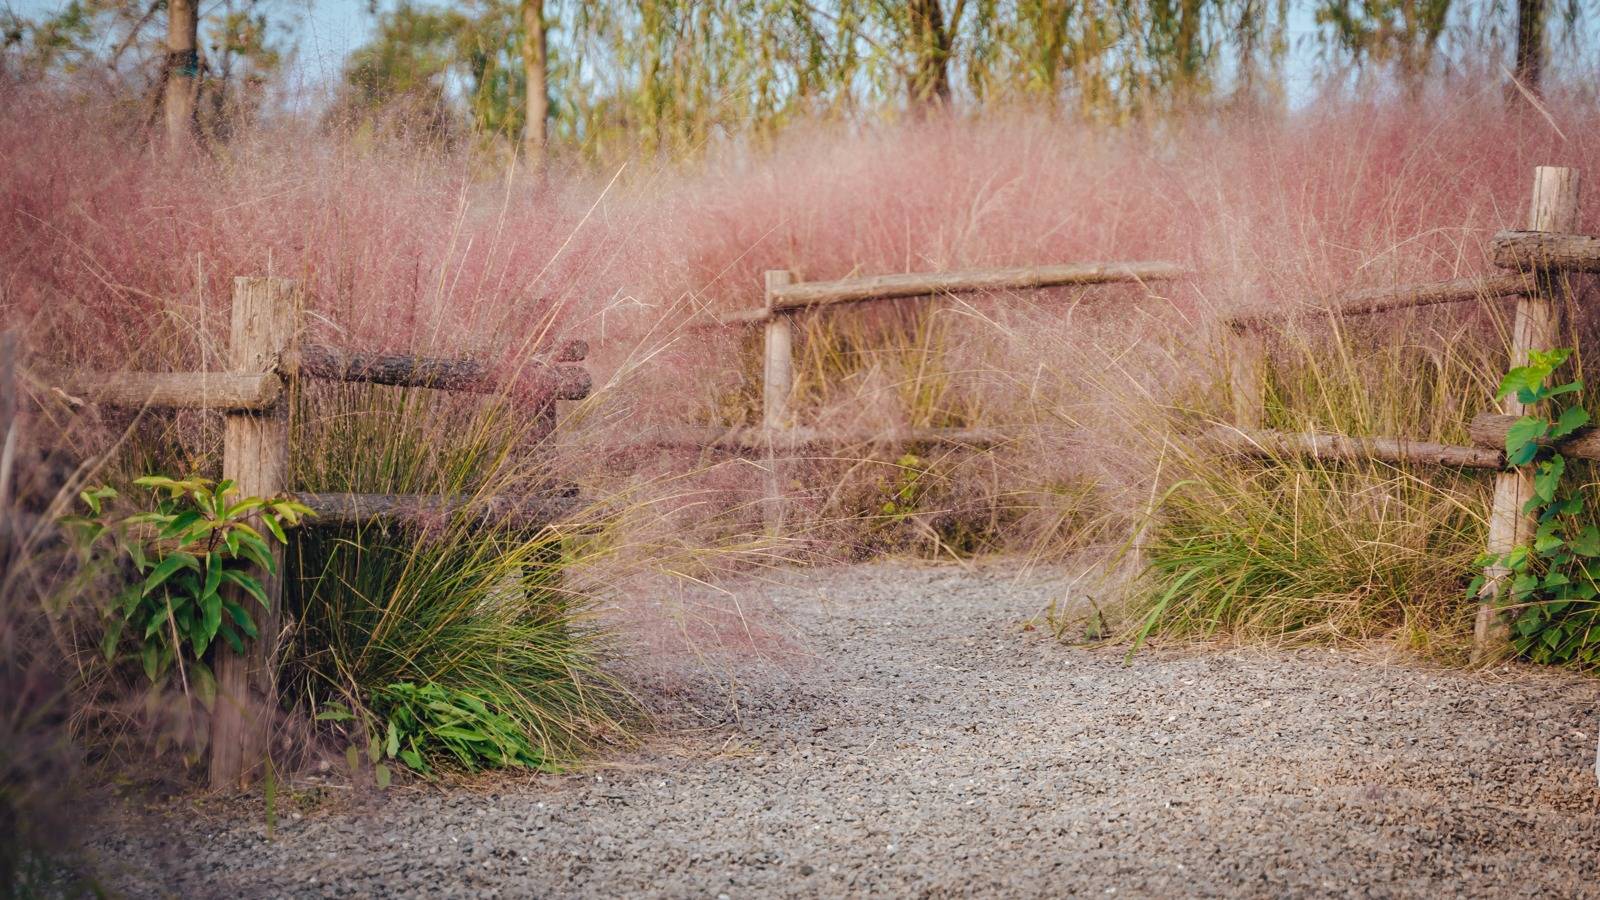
<point>930,79</point>
<point>1530,43</point>
<point>534,72</point>
<point>182,74</point>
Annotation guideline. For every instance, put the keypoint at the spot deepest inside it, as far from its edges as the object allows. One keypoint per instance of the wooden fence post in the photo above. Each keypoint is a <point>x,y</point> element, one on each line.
<point>1246,371</point>
<point>255,455</point>
<point>1538,327</point>
<point>777,380</point>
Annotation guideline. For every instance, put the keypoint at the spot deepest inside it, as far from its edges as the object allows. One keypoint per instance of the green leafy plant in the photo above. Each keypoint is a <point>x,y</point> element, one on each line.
<point>1552,582</point>
<point>415,723</point>
<point>905,493</point>
<point>196,541</point>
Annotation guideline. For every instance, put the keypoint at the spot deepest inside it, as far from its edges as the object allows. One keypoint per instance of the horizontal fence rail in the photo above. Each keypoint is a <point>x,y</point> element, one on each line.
<point>530,512</point>
<point>1490,429</point>
<point>1531,250</point>
<point>1269,444</point>
<point>172,390</point>
<point>795,296</point>
<point>791,439</point>
<point>1388,299</point>
<point>537,382</point>
<point>806,294</point>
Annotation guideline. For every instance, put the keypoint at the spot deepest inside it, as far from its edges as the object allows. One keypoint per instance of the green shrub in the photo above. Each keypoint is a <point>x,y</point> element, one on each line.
<point>193,544</point>
<point>474,607</point>
<point>1551,584</point>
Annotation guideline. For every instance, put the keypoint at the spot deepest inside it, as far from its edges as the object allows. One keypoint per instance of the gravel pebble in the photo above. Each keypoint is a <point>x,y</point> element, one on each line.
<point>937,748</point>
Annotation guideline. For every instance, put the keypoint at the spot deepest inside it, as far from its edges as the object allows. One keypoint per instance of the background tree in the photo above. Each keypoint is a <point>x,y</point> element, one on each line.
<point>535,78</point>
<point>181,76</point>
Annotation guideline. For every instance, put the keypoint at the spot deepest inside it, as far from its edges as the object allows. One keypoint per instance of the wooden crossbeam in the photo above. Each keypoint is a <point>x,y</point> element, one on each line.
<point>1269,444</point>
<point>352,509</point>
<point>244,392</point>
<point>795,439</point>
<point>1490,429</point>
<point>538,382</point>
<point>885,287</point>
<point>1533,250</point>
<point>1405,296</point>
<point>806,294</point>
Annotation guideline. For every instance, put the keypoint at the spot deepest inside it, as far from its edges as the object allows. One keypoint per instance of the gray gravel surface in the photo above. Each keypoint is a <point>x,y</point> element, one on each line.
<point>934,747</point>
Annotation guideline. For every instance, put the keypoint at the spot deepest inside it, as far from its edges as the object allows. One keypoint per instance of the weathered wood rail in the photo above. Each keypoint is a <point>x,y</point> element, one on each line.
<point>784,297</point>
<point>263,355</point>
<point>1539,259</point>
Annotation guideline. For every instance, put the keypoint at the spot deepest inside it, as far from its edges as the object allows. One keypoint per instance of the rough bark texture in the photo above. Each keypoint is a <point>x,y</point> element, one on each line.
<point>175,390</point>
<point>1343,448</point>
<point>884,287</point>
<point>538,383</point>
<point>534,137</point>
<point>1530,250</point>
<point>930,75</point>
<point>182,73</point>
<point>255,456</point>
<point>1489,430</point>
<point>1530,44</point>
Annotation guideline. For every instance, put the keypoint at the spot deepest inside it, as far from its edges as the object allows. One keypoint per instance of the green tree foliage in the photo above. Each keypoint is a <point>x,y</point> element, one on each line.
<point>243,44</point>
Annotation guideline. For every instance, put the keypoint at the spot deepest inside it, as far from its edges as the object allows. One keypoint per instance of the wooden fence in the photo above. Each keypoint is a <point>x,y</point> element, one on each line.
<point>1539,259</point>
<point>263,355</point>
<point>778,437</point>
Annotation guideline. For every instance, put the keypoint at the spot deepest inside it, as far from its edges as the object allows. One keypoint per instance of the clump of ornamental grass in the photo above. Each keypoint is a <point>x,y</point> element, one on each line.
<point>470,599</point>
<point>1288,548</point>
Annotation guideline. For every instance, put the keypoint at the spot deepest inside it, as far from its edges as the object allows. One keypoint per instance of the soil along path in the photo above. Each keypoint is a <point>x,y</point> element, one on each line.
<point>936,749</point>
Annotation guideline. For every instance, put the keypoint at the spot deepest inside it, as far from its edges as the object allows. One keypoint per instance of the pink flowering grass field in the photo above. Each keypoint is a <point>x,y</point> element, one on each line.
<point>116,259</point>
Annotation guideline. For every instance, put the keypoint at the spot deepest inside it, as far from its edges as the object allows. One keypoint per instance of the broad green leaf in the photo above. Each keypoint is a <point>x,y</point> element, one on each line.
<point>232,637</point>
<point>179,524</point>
<point>1587,543</point>
<point>148,656</point>
<point>392,745</point>
<point>1522,433</point>
<point>213,573</point>
<point>247,583</point>
<point>1522,584</point>
<point>381,772</point>
<point>167,567</point>
<point>1548,478</point>
<point>243,506</point>
<point>240,617</point>
<point>1573,418</point>
<point>334,712</point>
<point>210,618</point>
<point>271,521</point>
<point>205,684</point>
<point>157,619</point>
<point>113,635</point>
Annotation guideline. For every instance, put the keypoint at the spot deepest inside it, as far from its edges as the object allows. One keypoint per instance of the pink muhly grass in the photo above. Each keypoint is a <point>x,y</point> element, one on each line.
<point>113,258</point>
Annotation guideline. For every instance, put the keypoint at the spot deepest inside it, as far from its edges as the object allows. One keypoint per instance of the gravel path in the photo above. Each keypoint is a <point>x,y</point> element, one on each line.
<point>935,748</point>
